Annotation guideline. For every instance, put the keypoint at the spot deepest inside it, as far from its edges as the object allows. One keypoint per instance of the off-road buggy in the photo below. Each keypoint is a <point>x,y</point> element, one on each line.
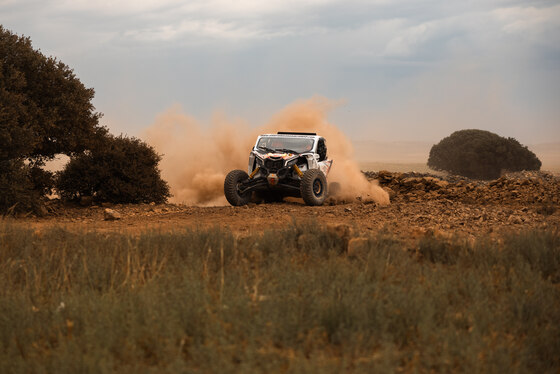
<point>284,164</point>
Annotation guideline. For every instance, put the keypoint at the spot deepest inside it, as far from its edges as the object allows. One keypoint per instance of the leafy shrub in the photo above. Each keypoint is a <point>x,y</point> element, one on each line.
<point>16,189</point>
<point>481,154</point>
<point>22,186</point>
<point>122,170</point>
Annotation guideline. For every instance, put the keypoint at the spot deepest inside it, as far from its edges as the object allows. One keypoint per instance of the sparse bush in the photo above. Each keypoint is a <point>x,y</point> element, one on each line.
<point>481,154</point>
<point>122,170</point>
<point>439,251</point>
<point>541,251</point>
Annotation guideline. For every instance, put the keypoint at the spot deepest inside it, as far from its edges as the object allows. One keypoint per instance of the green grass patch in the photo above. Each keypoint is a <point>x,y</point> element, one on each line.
<point>281,301</point>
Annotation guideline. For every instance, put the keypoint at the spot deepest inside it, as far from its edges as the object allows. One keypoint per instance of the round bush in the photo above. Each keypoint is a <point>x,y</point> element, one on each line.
<point>481,154</point>
<point>122,170</point>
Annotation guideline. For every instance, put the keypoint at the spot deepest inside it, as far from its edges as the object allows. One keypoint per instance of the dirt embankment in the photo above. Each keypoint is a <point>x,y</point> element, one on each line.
<point>420,204</point>
<point>515,188</point>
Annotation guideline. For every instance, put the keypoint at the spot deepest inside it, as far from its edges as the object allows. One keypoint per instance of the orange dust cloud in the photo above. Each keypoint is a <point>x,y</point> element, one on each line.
<point>196,160</point>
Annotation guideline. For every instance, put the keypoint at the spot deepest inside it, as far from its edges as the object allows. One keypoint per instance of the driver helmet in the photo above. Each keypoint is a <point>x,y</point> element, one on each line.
<point>276,144</point>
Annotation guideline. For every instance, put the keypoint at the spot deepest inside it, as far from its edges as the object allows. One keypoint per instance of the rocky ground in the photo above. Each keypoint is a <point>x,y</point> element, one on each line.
<point>421,204</point>
<point>515,188</point>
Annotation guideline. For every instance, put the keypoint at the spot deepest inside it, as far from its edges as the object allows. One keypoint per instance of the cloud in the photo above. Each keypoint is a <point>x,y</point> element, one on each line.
<point>214,29</point>
<point>110,7</point>
<point>409,40</point>
<point>536,24</point>
<point>256,56</point>
<point>414,24</point>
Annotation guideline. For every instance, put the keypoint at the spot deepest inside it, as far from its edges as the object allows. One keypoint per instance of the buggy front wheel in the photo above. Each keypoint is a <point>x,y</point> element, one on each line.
<point>231,188</point>
<point>313,187</point>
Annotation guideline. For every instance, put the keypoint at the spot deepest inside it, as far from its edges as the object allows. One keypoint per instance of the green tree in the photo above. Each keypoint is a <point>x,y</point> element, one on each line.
<point>44,110</point>
<point>123,170</point>
<point>481,154</point>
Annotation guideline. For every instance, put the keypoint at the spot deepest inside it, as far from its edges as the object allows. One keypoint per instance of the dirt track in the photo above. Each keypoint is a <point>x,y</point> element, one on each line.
<point>404,219</point>
<point>420,205</point>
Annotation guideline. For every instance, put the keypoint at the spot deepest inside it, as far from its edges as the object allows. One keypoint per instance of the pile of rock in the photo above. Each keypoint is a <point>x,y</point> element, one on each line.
<point>521,187</point>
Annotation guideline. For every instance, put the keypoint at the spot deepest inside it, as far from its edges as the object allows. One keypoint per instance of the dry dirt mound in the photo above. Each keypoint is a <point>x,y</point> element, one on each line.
<point>514,188</point>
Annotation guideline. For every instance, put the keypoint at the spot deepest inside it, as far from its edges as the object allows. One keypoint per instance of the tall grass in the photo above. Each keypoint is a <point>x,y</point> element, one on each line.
<point>282,301</point>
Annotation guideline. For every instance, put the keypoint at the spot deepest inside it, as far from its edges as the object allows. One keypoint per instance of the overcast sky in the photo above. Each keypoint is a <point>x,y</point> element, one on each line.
<point>401,70</point>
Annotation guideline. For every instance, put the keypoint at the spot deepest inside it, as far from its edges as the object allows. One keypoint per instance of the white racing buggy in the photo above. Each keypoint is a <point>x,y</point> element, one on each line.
<point>284,164</point>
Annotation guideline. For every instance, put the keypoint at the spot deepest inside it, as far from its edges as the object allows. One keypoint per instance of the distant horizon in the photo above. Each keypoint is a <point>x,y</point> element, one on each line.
<point>400,159</point>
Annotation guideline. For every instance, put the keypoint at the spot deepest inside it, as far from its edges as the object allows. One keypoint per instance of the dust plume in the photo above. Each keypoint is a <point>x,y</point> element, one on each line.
<point>196,161</point>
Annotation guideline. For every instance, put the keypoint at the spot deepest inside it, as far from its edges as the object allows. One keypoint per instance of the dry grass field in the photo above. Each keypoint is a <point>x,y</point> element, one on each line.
<point>287,300</point>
